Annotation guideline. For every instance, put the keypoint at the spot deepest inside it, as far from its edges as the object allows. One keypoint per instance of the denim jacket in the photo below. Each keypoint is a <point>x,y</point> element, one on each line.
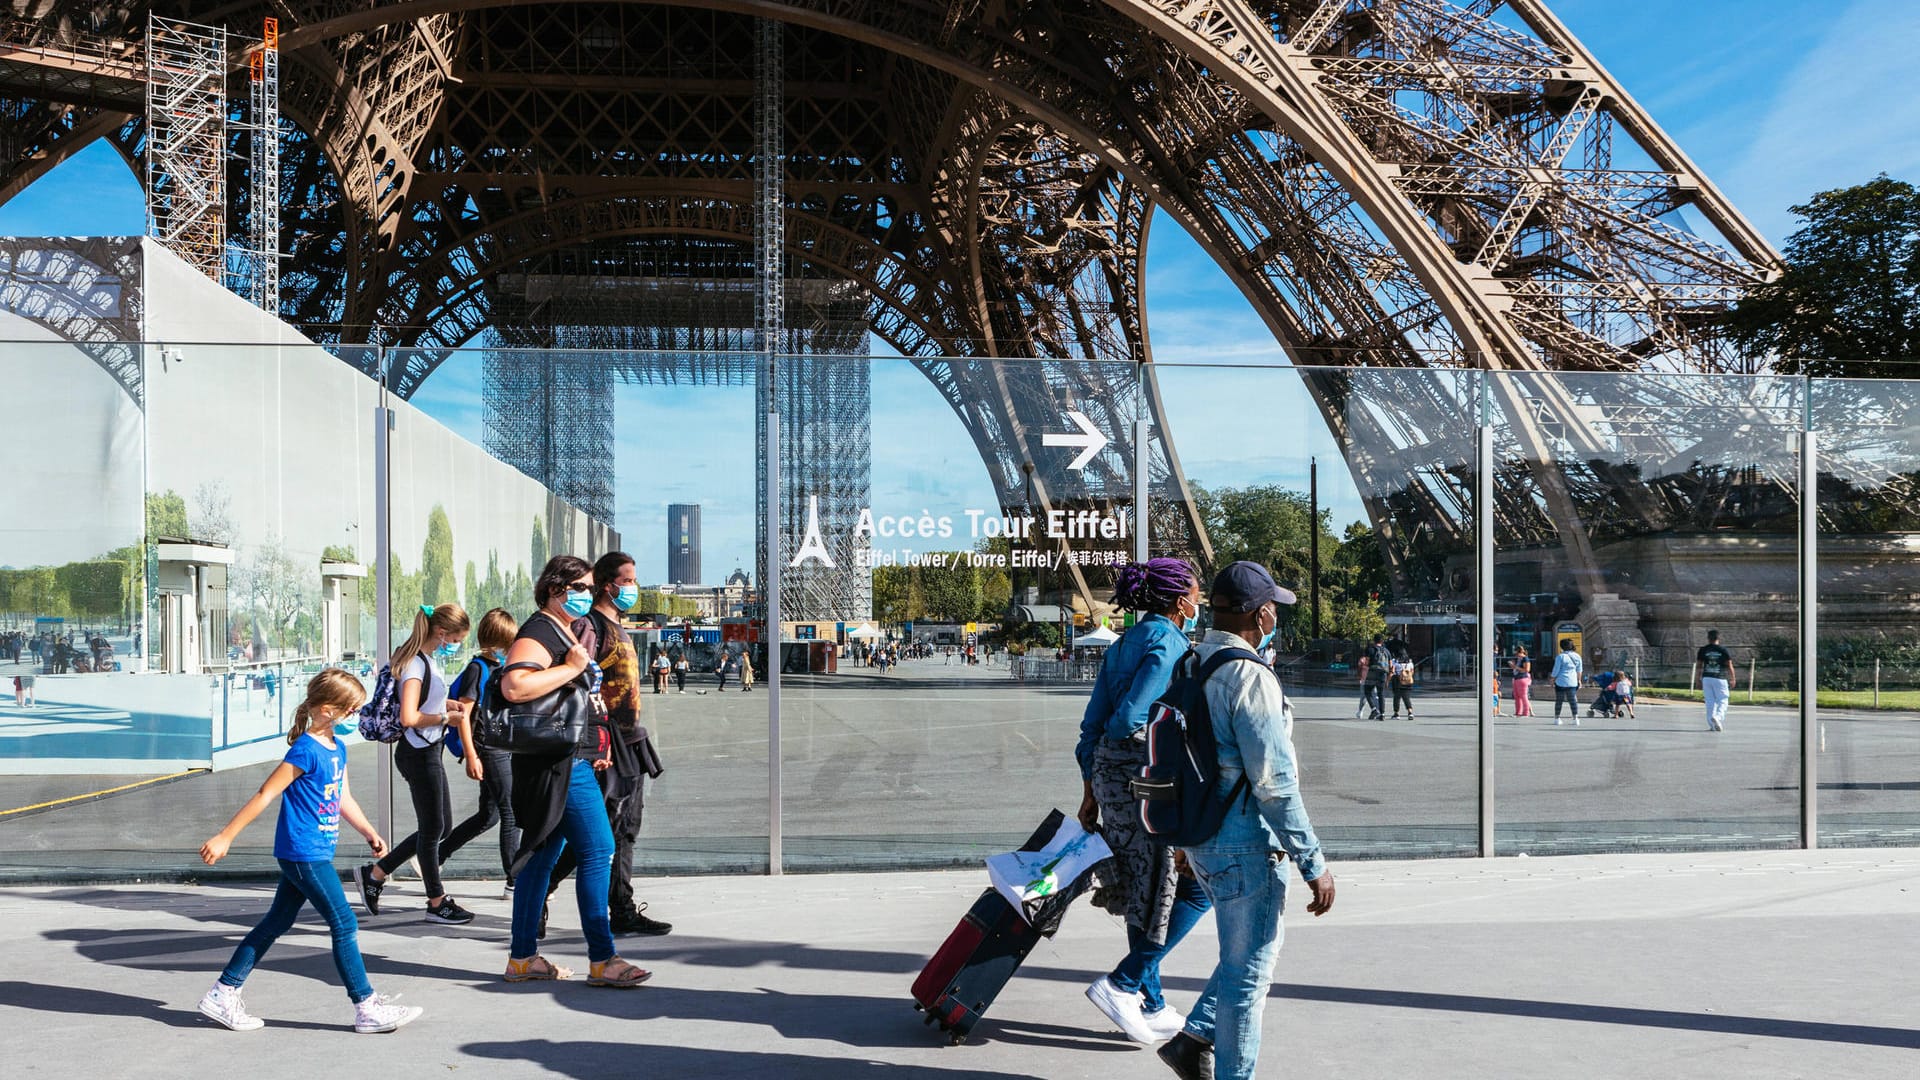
<point>1255,739</point>
<point>1134,674</point>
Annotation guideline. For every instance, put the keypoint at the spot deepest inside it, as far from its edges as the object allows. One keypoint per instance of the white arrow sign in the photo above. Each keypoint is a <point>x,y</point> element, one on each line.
<point>1090,440</point>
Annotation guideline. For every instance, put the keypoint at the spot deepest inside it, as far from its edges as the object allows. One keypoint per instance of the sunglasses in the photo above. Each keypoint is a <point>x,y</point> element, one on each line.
<point>580,586</point>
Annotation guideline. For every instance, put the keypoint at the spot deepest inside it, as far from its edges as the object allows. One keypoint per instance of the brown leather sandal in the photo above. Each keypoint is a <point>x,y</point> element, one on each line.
<point>616,973</point>
<point>534,969</point>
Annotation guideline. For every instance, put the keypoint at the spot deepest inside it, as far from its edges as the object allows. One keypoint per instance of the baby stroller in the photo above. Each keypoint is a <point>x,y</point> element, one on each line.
<point>1609,701</point>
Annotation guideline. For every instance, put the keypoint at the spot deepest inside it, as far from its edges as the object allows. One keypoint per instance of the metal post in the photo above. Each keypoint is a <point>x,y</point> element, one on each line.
<point>383,587</point>
<point>1483,541</point>
<point>1142,490</point>
<point>772,588</point>
<point>1313,546</point>
<point>1750,679</point>
<point>1809,640</point>
<point>1876,682</point>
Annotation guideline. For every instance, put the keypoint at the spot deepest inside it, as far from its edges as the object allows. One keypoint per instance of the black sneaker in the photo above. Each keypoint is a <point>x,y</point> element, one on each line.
<point>446,911</point>
<point>1188,1057</point>
<point>638,923</point>
<point>369,888</point>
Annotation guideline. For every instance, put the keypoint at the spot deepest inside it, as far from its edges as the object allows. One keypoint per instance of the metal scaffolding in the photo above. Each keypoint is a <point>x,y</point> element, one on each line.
<point>769,266</point>
<point>187,141</point>
<point>262,126</point>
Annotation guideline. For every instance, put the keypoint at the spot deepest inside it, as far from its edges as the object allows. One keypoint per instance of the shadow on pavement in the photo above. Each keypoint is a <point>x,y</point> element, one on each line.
<point>1771,1027</point>
<point>596,1060</point>
<point>81,1001</point>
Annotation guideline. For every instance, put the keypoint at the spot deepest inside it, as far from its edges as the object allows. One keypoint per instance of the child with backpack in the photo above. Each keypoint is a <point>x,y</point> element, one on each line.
<point>412,709</point>
<point>313,780</point>
<point>1400,670</point>
<point>496,633</point>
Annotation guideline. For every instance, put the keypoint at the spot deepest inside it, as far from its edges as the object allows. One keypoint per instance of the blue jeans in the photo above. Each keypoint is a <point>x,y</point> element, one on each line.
<point>301,882</point>
<point>584,825</point>
<point>1249,892</point>
<point>1139,970</point>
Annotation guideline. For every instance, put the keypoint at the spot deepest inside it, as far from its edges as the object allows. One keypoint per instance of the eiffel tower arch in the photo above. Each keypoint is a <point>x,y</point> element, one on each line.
<point>1415,184</point>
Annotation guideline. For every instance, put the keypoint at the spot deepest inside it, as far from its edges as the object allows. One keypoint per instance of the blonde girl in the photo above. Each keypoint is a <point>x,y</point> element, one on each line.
<point>426,712</point>
<point>313,779</point>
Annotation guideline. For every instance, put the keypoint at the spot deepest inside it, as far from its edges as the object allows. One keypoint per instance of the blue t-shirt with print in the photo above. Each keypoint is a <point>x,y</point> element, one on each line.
<point>310,807</point>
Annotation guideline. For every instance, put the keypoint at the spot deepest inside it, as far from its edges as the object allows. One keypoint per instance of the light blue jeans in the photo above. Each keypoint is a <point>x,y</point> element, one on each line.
<point>1249,893</point>
<point>302,883</point>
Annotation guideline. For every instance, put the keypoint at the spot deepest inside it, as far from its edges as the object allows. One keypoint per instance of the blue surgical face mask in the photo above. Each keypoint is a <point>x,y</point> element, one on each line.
<point>579,603</point>
<point>1264,639</point>
<point>1189,624</point>
<point>448,651</point>
<point>626,597</point>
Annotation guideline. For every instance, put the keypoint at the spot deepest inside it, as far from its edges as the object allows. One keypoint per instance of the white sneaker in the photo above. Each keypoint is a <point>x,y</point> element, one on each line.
<point>507,893</point>
<point>1166,1023</point>
<point>223,1004</point>
<point>1123,1009</point>
<point>379,1013</point>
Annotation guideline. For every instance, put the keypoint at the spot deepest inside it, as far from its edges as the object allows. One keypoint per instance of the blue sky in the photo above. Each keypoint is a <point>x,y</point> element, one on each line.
<point>1774,100</point>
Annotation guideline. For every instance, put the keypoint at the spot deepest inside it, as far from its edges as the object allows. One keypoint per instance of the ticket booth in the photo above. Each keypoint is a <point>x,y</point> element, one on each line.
<point>340,610</point>
<point>191,581</point>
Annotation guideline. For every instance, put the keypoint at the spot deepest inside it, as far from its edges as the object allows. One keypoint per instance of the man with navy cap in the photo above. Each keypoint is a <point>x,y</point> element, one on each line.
<point>1243,867</point>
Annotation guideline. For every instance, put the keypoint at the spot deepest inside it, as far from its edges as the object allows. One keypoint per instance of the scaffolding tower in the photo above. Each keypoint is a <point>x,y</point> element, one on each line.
<point>262,126</point>
<point>187,141</point>
<point>769,272</point>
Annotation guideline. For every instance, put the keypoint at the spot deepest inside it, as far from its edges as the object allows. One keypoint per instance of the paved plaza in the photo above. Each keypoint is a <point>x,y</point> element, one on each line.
<point>1735,965</point>
<point>938,765</point>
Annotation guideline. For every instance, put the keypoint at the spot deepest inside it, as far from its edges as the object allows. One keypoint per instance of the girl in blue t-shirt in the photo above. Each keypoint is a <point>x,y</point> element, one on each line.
<point>313,778</point>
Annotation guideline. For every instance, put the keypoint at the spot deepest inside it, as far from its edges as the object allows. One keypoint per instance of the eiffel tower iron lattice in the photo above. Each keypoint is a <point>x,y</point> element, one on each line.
<point>1404,184</point>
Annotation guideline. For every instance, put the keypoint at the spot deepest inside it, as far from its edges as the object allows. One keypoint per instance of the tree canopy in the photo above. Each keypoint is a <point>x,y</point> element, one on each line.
<point>1848,304</point>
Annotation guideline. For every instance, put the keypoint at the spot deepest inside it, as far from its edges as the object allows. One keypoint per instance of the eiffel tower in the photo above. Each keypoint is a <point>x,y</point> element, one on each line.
<point>1406,184</point>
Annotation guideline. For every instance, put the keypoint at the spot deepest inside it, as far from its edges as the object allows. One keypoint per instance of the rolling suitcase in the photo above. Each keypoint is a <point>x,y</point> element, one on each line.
<point>981,955</point>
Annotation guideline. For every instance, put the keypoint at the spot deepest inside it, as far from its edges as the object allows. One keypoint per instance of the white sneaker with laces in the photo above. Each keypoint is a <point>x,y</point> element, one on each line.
<point>223,1004</point>
<point>1123,1009</point>
<point>379,1013</point>
<point>1166,1023</point>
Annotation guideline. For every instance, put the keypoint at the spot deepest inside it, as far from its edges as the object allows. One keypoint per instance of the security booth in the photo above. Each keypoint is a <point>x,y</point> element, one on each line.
<point>340,610</point>
<point>191,583</point>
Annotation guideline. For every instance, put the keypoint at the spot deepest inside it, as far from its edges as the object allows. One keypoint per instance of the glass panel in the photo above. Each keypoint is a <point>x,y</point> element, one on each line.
<point>1635,515</point>
<point>1869,650</point>
<point>1393,453</point>
<point>585,452</point>
<point>998,500</point>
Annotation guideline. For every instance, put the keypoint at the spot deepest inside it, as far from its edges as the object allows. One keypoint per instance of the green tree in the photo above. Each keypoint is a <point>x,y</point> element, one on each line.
<point>1848,304</point>
<point>1265,523</point>
<point>166,515</point>
<point>1355,620</point>
<point>539,545</point>
<point>437,583</point>
<point>1359,565</point>
<point>996,592</point>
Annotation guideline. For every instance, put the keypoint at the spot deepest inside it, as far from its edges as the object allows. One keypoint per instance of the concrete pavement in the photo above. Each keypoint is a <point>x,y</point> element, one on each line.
<point>1747,965</point>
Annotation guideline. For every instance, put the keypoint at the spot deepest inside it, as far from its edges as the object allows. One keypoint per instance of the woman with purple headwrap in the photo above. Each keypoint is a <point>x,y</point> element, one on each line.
<point>1143,885</point>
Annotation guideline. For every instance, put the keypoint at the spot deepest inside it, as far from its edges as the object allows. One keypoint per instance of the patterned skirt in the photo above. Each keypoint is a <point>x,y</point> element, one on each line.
<point>1139,883</point>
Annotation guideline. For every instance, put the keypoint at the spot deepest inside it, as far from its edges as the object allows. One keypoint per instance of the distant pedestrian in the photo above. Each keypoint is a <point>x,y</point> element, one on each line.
<point>680,668</point>
<point>1374,670</point>
<point>1716,680</point>
<point>662,667</point>
<point>1522,681</point>
<point>721,669</point>
<point>746,671</point>
<point>1496,692</point>
<point>1566,682</point>
<point>313,779</point>
<point>1400,670</point>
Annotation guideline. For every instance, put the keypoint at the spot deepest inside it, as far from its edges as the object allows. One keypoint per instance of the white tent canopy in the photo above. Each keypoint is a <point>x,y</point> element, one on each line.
<point>863,631</point>
<point>1101,636</point>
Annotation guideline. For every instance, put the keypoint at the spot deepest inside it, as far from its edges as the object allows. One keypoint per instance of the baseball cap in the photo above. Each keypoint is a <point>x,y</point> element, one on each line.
<point>1243,586</point>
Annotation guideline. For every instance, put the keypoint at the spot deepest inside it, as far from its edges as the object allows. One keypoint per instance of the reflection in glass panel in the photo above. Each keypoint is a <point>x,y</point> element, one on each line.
<point>1869,649</point>
<point>1387,456</point>
<point>650,453</point>
<point>930,708</point>
<point>1636,514</point>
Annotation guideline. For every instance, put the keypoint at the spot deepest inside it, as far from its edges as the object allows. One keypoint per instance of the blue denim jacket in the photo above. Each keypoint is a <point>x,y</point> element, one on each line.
<point>1134,674</point>
<point>1255,739</point>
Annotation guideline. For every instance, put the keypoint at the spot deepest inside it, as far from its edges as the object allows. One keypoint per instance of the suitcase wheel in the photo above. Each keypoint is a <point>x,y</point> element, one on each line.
<point>956,1038</point>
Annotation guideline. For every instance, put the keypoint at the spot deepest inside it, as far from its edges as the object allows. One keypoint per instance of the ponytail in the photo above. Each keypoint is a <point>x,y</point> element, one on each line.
<point>302,715</point>
<point>447,618</point>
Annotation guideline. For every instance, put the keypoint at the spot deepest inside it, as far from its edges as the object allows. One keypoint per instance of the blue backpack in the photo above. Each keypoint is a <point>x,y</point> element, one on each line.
<point>459,690</point>
<point>1179,786</point>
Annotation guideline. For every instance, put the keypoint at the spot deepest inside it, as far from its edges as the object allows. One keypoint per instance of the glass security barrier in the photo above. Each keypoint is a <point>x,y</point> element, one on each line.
<point>1252,464</point>
<point>1636,518</point>
<point>1867,434</point>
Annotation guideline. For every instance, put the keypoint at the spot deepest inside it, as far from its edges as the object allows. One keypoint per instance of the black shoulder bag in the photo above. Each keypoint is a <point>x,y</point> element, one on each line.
<point>548,726</point>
